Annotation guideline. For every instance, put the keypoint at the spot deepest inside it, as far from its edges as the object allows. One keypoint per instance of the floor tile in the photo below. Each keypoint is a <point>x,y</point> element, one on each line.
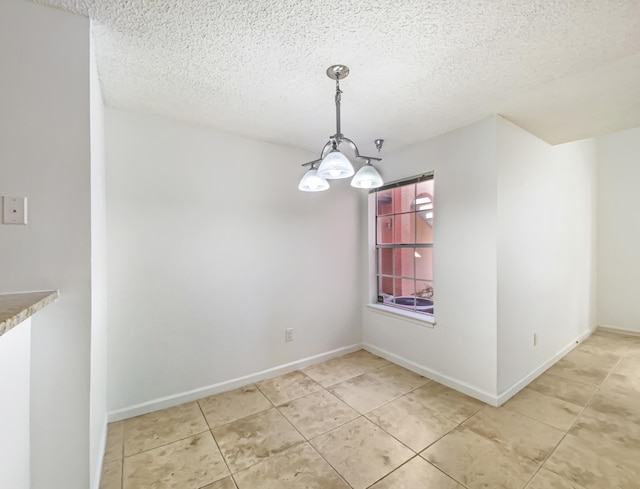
<point>616,381</point>
<point>595,466</point>
<point>616,344</point>
<point>186,464</point>
<point>317,413</point>
<point>365,360</point>
<point>550,410</point>
<point>629,366</point>
<point>111,477</point>
<point>478,462</point>
<point>447,402</point>
<point>564,389</point>
<point>523,436</point>
<point>634,349</point>
<point>588,357</point>
<point>399,377</point>
<point>226,483</point>
<point>545,479</point>
<point>295,468</point>
<point>411,422</point>
<point>577,366</point>
<point>361,452</point>
<point>595,426</point>
<point>115,441</point>
<point>233,405</point>
<point>252,439</point>
<point>617,400</point>
<point>161,427</point>
<point>288,387</point>
<point>594,392</point>
<point>334,371</point>
<point>415,474</point>
<point>366,392</point>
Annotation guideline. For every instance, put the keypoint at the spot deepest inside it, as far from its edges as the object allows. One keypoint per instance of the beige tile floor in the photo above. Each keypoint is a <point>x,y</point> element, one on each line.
<point>359,422</point>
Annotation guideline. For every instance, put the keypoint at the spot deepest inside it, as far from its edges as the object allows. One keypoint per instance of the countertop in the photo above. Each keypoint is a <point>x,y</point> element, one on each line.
<point>15,308</point>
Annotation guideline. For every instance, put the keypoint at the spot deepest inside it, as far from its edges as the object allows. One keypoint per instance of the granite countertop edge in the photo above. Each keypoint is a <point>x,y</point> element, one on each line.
<point>15,308</point>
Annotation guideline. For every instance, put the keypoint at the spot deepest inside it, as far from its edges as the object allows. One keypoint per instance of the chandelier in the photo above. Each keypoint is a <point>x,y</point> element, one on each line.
<point>333,164</point>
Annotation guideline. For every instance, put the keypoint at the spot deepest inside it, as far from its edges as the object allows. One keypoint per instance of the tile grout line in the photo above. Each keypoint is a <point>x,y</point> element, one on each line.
<point>325,389</point>
<point>416,454</point>
<point>217,445</point>
<point>273,406</point>
<point>165,444</point>
<point>308,440</point>
<point>360,415</point>
<point>584,408</point>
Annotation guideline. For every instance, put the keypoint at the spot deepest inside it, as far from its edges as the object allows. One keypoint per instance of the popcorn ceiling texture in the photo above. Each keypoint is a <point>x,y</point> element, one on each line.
<point>563,69</point>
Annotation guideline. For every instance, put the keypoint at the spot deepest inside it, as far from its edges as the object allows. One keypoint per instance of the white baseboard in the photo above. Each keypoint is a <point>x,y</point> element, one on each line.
<point>227,385</point>
<point>614,329</point>
<point>433,375</point>
<point>507,394</point>
<point>103,446</point>
<point>473,391</point>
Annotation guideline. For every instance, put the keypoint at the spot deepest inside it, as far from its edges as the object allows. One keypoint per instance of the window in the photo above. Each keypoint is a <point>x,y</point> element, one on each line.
<point>404,244</point>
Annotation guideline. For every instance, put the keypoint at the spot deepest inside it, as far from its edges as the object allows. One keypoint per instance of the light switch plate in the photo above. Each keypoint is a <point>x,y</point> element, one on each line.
<point>15,210</point>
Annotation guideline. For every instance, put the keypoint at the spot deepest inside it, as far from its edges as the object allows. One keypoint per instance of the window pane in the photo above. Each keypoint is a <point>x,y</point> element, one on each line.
<point>385,230</point>
<point>424,263</point>
<point>404,229</point>
<point>403,197</point>
<point>385,261</point>
<point>424,228</point>
<point>403,262</point>
<point>405,287</point>
<point>426,186</point>
<point>424,297</point>
<point>424,289</point>
<point>385,202</point>
<point>385,288</point>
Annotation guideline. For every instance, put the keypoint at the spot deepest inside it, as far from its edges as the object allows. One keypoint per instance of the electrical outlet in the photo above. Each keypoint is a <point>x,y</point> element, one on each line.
<point>288,334</point>
<point>535,339</point>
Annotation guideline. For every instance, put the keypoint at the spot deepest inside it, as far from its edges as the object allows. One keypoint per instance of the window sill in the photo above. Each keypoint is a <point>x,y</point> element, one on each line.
<point>412,317</point>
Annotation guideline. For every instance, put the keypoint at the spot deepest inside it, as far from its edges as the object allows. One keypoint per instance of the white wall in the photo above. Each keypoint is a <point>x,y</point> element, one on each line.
<point>15,360</point>
<point>44,155</point>
<point>461,349</point>
<point>546,249</point>
<point>98,396</point>
<point>213,252</point>
<point>618,230</point>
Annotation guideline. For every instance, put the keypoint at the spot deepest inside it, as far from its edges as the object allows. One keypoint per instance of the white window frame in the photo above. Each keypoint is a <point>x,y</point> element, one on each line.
<point>422,319</point>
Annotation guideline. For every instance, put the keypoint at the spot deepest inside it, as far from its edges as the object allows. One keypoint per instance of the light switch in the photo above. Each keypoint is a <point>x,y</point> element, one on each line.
<point>15,210</point>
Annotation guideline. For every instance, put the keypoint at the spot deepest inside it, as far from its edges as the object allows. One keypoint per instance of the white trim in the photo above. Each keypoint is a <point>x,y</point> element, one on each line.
<point>614,329</point>
<point>471,390</point>
<point>507,394</point>
<point>412,317</point>
<point>437,376</point>
<point>227,385</point>
<point>103,448</point>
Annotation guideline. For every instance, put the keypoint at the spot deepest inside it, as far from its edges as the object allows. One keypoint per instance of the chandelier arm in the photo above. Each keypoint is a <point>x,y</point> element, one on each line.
<point>352,144</point>
<point>328,147</point>
<point>311,163</point>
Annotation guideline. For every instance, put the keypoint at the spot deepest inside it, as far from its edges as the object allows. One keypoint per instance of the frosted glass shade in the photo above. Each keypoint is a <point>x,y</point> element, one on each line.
<point>335,165</point>
<point>367,177</point>
<point>311,182</point>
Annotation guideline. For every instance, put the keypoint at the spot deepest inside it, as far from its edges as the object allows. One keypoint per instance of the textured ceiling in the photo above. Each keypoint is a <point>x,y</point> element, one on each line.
<point>562,69</point>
